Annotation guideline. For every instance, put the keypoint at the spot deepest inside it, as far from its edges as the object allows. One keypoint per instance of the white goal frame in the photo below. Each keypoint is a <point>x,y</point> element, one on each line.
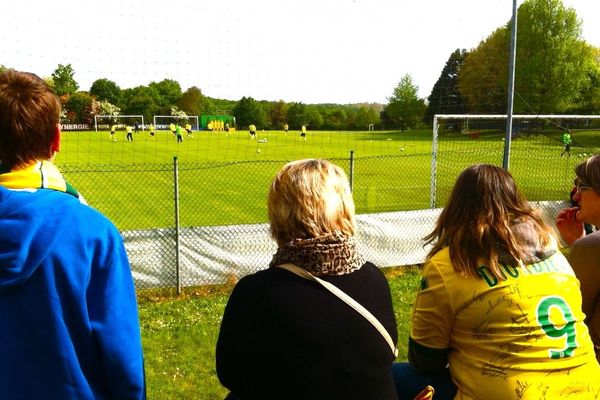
<point>439,117</point>
<point>176,117</point>
<point>115,117</point>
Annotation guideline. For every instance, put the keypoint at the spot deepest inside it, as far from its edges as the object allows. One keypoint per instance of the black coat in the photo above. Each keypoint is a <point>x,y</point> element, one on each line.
<point>284,337</point>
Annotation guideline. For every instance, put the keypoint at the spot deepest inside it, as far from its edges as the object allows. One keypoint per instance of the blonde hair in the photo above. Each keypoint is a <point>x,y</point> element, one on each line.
<point>476,222</point>
<point>308,199</point>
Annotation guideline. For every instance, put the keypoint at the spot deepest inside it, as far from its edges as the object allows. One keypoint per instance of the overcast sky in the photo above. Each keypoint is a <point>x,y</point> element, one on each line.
<point>314,51</point>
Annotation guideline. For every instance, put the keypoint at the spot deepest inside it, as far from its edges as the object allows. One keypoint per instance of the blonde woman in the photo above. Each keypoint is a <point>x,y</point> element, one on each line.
<point>498,304</point>
<point>285,337</point>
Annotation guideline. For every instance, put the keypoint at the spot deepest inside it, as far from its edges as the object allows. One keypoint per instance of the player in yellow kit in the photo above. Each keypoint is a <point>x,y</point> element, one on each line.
<point>498,303</point>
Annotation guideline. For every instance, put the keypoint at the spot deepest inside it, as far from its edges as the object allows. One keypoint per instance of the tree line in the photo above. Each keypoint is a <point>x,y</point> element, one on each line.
<point>556,72</point>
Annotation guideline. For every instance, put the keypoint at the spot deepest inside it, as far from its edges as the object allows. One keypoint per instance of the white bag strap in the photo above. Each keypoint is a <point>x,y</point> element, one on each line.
<point>346,299</point>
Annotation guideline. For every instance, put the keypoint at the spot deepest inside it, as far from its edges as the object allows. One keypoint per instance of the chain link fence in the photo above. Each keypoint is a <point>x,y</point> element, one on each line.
<point>200,223</point>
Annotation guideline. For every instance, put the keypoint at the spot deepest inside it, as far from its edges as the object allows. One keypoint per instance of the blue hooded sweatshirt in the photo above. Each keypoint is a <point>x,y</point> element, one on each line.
<point>68,314</point>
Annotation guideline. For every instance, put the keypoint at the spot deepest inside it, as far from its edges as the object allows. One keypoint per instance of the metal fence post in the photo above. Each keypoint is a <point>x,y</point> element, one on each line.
<point>176,199</point>
<point>351,177</point>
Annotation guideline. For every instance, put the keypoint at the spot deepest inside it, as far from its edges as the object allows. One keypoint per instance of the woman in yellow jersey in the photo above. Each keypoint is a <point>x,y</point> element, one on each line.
<point>499,307</point>
<point>584,253</point>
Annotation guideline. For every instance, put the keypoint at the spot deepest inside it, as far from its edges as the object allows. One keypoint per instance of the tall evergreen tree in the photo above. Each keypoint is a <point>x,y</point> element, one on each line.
<point>445,97</point>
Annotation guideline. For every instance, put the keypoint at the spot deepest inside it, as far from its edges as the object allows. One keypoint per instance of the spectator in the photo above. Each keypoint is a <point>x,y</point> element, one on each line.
<point>498,303</point>
<point>584,254</point>
<point>284,337</point>
<point>67,303</point>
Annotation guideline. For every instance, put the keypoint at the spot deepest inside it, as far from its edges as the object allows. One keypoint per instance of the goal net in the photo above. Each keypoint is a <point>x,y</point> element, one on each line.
<point>537,150</point>
<point>104,122</point>
<point>162,122</point>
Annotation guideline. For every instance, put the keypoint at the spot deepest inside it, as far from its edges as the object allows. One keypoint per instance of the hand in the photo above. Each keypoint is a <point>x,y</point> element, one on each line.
<point>569,227</point>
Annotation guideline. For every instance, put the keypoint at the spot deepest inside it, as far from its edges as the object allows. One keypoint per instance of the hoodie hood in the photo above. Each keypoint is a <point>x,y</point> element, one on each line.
<point>527,235</point>
<point>31,223</point>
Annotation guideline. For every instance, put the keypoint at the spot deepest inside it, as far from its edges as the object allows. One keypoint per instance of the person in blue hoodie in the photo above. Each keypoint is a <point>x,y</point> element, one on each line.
<point>70,326</point>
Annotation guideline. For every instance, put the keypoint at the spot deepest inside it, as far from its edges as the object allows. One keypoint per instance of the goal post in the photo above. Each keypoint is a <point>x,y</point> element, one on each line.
<point>472,138</point>
<point>162,122</point>
<point>99,120</point>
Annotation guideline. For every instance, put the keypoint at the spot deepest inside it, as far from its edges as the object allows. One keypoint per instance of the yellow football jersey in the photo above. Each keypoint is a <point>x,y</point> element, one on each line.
<point>519,338</point>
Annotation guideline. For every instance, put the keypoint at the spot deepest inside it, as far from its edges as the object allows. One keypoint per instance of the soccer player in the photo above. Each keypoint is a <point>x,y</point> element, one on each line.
<point>188,129</point>
<point>173,129</point>
<point>303,133</point>
<point>252,129</point>
<point>113,129</point>
<point>285,128</point>
<point>178,134</point>
<point>136,127</point>
<point>566,139</point>
<point>152,129</point>
<point>498,302</point>
<point>67,302</point>
<point>129,130</point>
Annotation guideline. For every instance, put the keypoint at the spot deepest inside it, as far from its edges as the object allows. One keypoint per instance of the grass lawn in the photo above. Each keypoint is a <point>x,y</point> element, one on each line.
<point>179,335</point>
<point>223,180</point>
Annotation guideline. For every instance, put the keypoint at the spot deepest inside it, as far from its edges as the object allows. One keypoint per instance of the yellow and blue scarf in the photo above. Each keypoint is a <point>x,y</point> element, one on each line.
<point>39,175</point>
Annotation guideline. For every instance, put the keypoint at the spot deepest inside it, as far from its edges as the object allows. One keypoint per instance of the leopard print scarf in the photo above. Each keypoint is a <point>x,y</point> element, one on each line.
<point>332,254</point>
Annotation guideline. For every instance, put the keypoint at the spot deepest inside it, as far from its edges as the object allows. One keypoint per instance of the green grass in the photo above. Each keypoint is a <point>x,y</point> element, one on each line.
<point>223,180</point>
<point>179,335</point>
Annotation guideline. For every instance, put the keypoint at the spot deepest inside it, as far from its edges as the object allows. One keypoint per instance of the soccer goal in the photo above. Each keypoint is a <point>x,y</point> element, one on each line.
<point>162,122</point>
<point>105,121</point>
<point>540,160</point>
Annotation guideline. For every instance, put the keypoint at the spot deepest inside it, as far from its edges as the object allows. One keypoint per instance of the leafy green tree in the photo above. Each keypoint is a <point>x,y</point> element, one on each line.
<point>362,117</point>
<point>248,111</point>
<point>589,100</point>
<point>335,118</point>
<point>445,97</point>
<point>169,93</point>
<point>314,117</point>
<point>80,108</point>
<point>405,109</point>
<point>551,63</point>
<point>105,90</point>
<point>297,115</point>
<point>139,100</point>
<point>192,101</point>
<point>64,81</point>
<point>483,78</point>
<point>278,114</point>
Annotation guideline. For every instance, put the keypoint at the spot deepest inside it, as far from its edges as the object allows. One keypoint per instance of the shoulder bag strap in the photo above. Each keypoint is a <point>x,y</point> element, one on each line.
<point>346,299</point>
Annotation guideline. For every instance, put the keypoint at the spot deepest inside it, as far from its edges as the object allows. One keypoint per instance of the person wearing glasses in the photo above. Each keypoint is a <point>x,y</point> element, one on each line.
<point>584,254</point>
<point>498,313</point>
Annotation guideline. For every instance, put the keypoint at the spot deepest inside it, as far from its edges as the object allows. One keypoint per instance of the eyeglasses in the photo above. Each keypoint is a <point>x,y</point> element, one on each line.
<point>581,187</point>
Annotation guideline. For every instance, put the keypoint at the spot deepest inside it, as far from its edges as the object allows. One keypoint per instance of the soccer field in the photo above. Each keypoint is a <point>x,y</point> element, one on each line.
<point>224,179</point>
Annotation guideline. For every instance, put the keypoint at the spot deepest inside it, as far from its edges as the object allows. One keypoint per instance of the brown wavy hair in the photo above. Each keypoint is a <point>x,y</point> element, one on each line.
<point>476,222</point>
<point>29,116</point>
<point>308,199</point>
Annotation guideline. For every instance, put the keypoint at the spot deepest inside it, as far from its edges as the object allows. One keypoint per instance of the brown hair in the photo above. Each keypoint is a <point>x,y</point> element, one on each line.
<point>29,115</point>
<point>310,198</point>
<point>476,222</point>
<point>588,172</point>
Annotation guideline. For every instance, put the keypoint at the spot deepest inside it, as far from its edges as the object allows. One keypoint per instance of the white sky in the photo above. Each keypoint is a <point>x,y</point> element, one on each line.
<point>314,51</point>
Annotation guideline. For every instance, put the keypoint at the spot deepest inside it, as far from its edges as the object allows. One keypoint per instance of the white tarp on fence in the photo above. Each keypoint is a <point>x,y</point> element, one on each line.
<point>212,254</point>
